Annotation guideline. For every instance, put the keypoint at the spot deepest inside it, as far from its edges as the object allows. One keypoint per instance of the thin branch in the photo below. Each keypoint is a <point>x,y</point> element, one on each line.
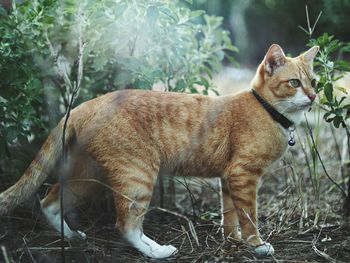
<point>61,90</point>
<point>75,90</point>
<point>321,253</point>
<point>195,209</point>
<point>318,17</point>
<point>6,256</point>
<point>347,200</point>
<point>190,224</point>
<point>310,29</point>
<point>308,20</point>
<point>29,252</point>
<point>339,156</point>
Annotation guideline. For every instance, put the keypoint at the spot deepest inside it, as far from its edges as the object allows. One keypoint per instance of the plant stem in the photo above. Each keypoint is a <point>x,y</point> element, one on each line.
<point>319,157</point>
<point>347,199</point>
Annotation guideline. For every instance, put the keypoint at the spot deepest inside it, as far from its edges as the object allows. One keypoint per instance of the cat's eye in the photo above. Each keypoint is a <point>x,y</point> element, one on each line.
<point>295,83</point>
<point>313,83</point>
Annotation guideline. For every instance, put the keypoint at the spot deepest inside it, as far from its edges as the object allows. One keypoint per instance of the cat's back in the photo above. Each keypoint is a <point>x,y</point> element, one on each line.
<point>140,108</point>
<point>137,99</point>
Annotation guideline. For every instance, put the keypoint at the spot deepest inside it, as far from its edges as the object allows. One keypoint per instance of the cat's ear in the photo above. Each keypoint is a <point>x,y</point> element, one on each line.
<point>311,54</point>
<point>274,58</point>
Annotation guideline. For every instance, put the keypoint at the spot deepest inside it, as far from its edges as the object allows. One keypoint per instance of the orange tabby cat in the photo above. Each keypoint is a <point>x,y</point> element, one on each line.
<point>126,138</point>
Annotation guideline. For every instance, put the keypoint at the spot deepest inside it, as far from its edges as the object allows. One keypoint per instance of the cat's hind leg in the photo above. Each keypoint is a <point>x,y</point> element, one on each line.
<point>51,209</point>
<point>133,189</point>
<point>81,185</point>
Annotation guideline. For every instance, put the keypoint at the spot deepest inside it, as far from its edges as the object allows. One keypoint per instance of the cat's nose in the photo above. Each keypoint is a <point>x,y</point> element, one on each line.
<point>312,96</point>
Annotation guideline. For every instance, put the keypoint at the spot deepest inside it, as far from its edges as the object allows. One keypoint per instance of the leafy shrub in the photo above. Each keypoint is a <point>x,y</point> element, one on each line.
<point>127,43</point>
<point>330,69</point>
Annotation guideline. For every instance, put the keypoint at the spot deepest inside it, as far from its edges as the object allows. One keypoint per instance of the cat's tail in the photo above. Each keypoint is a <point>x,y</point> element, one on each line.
<point>37,171</point>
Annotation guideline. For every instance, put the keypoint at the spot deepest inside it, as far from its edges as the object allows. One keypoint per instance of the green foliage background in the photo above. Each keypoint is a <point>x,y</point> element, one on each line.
<point>264,22</point>
<point>128,44</point>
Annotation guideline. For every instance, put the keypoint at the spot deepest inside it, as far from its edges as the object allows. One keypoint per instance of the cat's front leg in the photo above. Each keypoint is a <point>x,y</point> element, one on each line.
<point>243,183</point>
<point>230,222</point>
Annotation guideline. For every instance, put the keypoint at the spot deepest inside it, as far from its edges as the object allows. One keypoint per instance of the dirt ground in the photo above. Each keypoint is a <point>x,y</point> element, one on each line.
<point>26,237</point>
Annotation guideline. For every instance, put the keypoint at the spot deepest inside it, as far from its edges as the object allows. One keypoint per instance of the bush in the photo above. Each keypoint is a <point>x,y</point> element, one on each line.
<point>128,43</point>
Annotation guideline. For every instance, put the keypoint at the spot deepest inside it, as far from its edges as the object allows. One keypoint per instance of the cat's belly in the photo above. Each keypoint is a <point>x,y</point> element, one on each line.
<point>197,170</point>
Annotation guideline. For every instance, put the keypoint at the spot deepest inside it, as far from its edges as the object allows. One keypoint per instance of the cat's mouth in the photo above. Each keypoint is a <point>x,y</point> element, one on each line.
<point>305,106</point>
<point>295,107</point>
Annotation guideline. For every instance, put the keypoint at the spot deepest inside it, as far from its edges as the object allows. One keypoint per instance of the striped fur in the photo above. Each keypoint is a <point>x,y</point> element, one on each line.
<point>126,138</point>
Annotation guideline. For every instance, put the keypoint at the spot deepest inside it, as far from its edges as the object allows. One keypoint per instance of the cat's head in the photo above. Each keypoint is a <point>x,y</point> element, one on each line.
<point>287,83</point>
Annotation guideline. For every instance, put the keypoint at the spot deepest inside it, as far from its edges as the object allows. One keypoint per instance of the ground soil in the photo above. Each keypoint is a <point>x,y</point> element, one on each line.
<point>26,237</point>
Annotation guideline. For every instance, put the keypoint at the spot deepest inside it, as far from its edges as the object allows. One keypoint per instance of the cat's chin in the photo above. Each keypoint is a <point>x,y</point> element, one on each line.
<point>303,107</point>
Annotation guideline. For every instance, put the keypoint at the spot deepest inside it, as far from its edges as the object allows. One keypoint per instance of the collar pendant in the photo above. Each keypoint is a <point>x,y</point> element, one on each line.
<point>291,141</point>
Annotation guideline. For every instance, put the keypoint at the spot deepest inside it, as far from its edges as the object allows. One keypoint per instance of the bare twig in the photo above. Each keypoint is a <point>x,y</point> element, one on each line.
<point>347,200</point>
<point>190,224</point>
<point>310,29</point>
<point>61,90</point>
<point>30,253</point>
<point>195,209</point>
<point>6,256</point>
<point>188,237</point>
<point>339,157</point>
<point>317,251</point>
<point>74,88</point>
<point>322,254</point>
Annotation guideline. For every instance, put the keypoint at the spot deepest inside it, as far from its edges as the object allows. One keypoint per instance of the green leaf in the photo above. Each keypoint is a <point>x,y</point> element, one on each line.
<point>337,121</point>
<point>193,90</point>
<point>213,21</point>
<point>216,92</point>
<point>328,91</point>
<point>208,71</point>
<point>342,65</point>
<point>346,48</point>
<point>195,14</point>
<point>170,14</point>
<point>329,119</point>
<point>203,81</point>
<point>180,86</point>
<point>232,48</point>
<point>11,133</point>
<point>338,112</point>
<point>326,115</point>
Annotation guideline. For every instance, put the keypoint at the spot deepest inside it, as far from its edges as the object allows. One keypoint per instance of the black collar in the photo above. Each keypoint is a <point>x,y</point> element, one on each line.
<point>280,118</point>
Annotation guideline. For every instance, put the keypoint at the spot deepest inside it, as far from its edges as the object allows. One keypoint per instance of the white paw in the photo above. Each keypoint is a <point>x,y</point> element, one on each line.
<point>163,251</point>
<point>147,246</point>
<point>81,235</point>
<point>264,250</point>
